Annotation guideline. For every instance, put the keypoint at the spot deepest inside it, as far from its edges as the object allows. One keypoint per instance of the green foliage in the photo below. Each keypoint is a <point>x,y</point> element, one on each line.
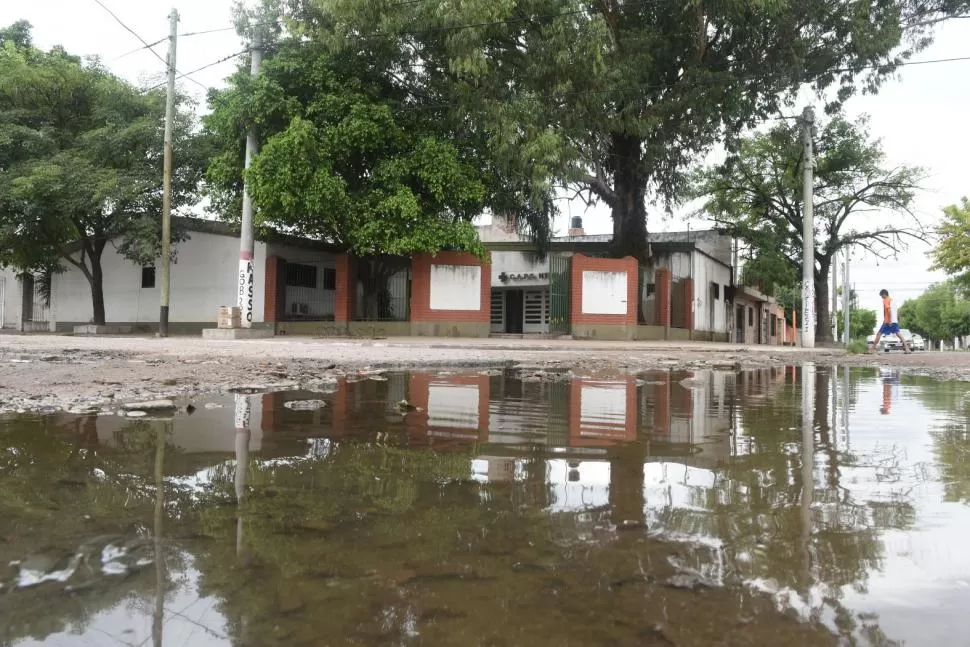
<point>862,322</point>
<point>81,163</point>
<point>952,252</point>
<point>755,196</point>
<point>857,347</point>
<point>942,312</point>
<point>617,99</point>
<point>350,156</point>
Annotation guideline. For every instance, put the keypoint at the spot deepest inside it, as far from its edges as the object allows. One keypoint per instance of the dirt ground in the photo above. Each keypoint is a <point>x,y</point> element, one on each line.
<point>51,372</point>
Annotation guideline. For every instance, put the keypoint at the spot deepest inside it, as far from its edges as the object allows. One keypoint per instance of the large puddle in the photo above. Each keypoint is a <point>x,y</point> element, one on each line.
<point>705,508</point>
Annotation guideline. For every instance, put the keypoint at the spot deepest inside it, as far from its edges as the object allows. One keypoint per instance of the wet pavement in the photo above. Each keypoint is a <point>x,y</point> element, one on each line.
<point>800,505</point>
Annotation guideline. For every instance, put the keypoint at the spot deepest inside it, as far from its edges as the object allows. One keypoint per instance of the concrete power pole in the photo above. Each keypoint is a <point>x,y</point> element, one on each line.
<point>808,232</point>
<point>247,273</point>
<point>846,301</point>
<point>834,310</point>
<point>167,177</point>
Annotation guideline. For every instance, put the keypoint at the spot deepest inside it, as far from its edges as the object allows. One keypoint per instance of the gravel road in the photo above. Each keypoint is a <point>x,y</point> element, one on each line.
<point>51,372</point>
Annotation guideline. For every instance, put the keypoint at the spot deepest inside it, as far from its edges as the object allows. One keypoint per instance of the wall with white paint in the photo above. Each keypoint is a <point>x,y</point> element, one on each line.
<point>203,278</point>
<point>10,303</point>
<point>602,409</point>
<point>306,302</point>
<point>604,293</point>
<point>710,306</point>
<point>456,287</point>
<point>521,269</point>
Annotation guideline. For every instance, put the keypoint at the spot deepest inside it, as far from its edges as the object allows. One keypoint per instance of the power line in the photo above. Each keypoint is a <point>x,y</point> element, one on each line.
<point>204,67</point>
<point>144,42</point>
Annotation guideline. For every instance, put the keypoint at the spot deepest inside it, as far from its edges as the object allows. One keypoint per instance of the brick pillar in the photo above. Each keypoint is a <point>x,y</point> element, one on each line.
<point>662,288</point>
<point>346,293</point>
<point>271,290</point>
<point>689,303</point>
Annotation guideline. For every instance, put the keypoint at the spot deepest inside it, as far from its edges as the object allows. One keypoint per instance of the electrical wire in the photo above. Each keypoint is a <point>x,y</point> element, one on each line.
<point>149,47</point>
<point>199,69</point>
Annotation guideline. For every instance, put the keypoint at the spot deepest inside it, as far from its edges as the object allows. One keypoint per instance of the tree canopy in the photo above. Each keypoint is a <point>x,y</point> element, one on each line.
<point>755,196</point>
<point>952,252</point>
<point>940,313</point>
<point>81,163</point>
<point>352,155</point>
<point>616,98</point>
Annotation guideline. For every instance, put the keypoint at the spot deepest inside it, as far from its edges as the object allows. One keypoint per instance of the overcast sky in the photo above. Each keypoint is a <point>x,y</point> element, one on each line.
<point>919,117</point>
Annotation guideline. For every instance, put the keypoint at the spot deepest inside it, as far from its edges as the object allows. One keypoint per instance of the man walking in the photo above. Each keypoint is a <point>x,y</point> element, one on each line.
<point>890,323</point>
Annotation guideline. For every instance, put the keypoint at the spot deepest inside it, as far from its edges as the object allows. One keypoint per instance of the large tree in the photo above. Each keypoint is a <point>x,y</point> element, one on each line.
<point>351,155</point>
<point>615,98</point>
<point>952,252</point>
<point>861,202</point>
<point>81,163</point>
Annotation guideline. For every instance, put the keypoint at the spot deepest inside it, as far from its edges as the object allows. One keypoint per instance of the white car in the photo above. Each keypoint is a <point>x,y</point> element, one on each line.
<point>917,343</point>
<point>891,342</point>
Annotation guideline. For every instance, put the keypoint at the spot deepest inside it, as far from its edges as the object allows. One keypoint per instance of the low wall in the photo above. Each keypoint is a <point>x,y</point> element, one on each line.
<point>605,332</point>
<point>358,329</point>
<point>142,328</point>
<point>450,329</point>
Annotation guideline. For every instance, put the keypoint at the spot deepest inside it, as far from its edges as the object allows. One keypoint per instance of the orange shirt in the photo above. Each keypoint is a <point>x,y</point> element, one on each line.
<point>887,310</point>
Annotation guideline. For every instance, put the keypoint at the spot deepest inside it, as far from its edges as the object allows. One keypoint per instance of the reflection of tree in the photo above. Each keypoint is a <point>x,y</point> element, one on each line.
<point>61,494</point>
<point>951,436</point>
<point>754,507</point>
<point>380,545</point>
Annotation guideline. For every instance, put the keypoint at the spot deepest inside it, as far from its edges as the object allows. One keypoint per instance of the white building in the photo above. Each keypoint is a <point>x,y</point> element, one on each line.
<point>521,298</point>
<point>203,278</point>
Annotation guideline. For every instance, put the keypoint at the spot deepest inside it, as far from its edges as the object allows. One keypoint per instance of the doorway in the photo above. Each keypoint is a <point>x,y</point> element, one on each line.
<point>739,325</point>
<point>514,311</point>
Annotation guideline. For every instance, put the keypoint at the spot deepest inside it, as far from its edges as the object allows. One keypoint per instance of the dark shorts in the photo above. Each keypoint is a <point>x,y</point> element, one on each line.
<point>889,329</point>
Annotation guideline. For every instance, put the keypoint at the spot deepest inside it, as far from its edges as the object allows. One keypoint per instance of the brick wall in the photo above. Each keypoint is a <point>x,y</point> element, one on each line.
<point>603,435</point>
<point>419,392</point>
<point>662,289</point>
<point>346,294</point>
<point>581,263</point>
<point>421,289</point>
<point>271,290</point>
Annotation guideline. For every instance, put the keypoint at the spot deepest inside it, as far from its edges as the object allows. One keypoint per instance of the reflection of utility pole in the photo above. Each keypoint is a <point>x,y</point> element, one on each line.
<point>808,466</point>
<point>158,619</point>
<point>167,178</point>
<point>243,434</point>
<point>808,231</point>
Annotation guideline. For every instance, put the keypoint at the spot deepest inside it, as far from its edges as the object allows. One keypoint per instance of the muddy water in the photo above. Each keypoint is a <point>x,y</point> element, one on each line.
<point>804,506</point>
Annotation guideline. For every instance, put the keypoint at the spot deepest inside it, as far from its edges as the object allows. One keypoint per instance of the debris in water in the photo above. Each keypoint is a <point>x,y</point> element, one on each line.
<point>305,405</point>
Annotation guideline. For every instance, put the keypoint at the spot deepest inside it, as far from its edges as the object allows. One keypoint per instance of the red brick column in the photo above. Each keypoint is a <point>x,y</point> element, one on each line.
<point>346,293</point>
<point>421,289</point>
<point>271,294</point>
<point>662,290</point>
<point>581,263</point>
<point>689,303</point>
<point>661,406</point>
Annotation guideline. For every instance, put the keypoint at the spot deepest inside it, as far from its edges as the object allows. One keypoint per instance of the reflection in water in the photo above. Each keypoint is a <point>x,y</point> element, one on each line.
<point>669,508</point>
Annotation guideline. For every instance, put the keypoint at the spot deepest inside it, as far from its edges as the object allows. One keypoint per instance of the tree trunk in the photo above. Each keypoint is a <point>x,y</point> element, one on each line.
<point>823,326</point>
<point>629,207</point>
<point>97,291</point>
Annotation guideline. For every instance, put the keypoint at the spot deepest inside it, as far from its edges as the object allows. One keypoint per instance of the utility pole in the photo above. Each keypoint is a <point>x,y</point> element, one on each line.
<point>167,178</point>
<point>846,301</point>
<point>834,310</point>
<point>247,273</point>
<point>808,232</point>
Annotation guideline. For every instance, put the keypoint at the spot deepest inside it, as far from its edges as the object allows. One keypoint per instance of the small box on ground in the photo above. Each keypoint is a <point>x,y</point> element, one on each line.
<point>230,317</point>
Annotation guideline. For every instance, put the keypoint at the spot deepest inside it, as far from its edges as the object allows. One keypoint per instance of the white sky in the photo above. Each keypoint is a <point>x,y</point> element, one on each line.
<point>918,117</point>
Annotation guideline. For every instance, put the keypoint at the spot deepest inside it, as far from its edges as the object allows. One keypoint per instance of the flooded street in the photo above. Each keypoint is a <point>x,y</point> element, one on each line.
<point>801,505</point>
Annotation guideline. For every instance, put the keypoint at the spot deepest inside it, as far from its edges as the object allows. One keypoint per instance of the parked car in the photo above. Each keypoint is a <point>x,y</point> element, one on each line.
<point>891,342</point>
<point>917,343</point>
